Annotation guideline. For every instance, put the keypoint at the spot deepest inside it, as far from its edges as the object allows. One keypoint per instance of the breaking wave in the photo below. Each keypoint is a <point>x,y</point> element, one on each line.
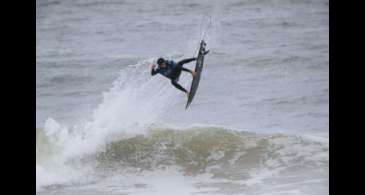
<point>223,153</point>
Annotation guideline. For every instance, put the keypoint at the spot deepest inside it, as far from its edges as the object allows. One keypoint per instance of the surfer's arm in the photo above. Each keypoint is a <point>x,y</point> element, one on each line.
<point>153,70</point>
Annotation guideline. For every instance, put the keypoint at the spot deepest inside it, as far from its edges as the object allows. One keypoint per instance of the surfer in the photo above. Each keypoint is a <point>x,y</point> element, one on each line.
<point>172,70</point>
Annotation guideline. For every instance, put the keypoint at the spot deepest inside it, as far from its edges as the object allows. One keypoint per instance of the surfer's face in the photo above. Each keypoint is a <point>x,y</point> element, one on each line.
<point>163,65</point>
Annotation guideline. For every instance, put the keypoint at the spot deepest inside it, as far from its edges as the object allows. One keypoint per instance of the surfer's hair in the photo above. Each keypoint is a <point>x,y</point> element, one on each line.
<point>160,61</point>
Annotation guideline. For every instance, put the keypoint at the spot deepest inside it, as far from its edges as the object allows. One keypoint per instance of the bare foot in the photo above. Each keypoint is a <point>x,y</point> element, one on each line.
<point>193,73</point>
<point>188,94</point>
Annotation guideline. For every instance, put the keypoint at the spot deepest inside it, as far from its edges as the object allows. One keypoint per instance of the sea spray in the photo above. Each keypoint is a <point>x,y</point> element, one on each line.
<point>127,108</point>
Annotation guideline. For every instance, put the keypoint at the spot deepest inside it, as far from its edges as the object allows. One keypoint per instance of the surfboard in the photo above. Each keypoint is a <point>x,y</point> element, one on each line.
<point>198,70</point>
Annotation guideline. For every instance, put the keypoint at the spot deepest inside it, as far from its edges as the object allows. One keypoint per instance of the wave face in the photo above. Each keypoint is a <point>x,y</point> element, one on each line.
<point>213,150</point>
<point>240,159</point>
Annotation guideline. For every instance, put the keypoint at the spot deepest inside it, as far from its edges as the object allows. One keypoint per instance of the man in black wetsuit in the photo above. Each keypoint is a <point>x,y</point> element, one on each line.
<point>172,70</point>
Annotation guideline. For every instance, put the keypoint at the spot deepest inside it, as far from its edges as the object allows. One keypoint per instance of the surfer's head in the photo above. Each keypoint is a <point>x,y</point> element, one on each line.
<point>161,62</point>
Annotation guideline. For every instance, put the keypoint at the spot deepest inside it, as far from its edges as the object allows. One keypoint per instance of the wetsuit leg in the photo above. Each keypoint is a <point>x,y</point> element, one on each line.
<point>179,67</point>
<point>176,74</point>
<point>184,61</point>
<point>177,85</point>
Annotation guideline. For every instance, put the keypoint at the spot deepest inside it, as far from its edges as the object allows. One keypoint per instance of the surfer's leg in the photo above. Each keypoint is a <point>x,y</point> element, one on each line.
<point>177,85</point>
<point>176,74</point>
<point>193,73</point>
<point>184,61</point>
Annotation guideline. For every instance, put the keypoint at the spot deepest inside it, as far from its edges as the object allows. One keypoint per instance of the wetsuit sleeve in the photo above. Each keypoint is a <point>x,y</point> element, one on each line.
<point>153,71</point>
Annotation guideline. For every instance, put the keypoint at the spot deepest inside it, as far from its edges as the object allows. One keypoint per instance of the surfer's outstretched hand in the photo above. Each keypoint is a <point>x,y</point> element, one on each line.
<point>153,66</point>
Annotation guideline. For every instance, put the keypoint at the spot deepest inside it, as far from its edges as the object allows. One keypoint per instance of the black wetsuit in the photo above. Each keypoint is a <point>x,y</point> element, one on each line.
<point>173,71</point>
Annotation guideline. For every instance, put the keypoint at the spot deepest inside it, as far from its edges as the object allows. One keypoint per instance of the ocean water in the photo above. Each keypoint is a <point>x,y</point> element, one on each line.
<point>258,123</point>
